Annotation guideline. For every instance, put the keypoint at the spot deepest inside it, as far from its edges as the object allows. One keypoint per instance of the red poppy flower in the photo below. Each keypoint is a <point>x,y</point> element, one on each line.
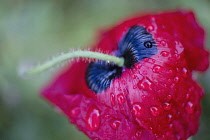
<point>154,95</point>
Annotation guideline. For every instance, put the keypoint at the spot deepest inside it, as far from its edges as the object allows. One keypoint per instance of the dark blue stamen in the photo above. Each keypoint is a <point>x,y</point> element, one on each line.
<point>100,74</point>
<point>136,45</point>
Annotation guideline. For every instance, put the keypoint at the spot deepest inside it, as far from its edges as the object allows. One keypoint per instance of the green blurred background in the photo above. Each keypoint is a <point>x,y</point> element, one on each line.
<point>35,30</point>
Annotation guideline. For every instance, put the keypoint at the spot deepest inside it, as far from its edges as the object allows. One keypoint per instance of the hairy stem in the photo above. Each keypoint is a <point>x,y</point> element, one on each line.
<point>87,54</point>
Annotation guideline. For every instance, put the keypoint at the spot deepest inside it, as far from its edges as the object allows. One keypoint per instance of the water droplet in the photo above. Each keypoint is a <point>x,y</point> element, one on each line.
<point>176,79</point>
<point>189,107</point>
<point>165,86</point>
<point>146,59</point>
<point>176,56</point>
<point>164,54</point>
<point>169,97</point>
<point>184,72</point>
<point>187,96</point>
<point>93,119</point>
<point>150,128</point>
<point>139,65</point>
<point>171,125</point>
<point>120,98</point>
<point>153,61</point>
<point>172,86</point>
<point>157,69</point>
<point>177,70</point>
<point>170,117</point>
<point>115,123</point>
<point>170,72</point>
<point>167,106</point>
<point>134,76</point>
<point>74,111</point>
<point>159,91</point>
<point>143,97</point>
<point>137,109</point>
<point>150,28</point>
<point>119,89</point>
<point>112,99</point>
<point>169,81</point>
<point>138,134</point>
<point>145,85</point>
<point>176,42</point>
<point>163,43</point>
<point>123,82</point>
<point>134,86</point>
<point>107,116</point>
<point>191,89</point>
<point>154,110</point>
<point>144,72</point>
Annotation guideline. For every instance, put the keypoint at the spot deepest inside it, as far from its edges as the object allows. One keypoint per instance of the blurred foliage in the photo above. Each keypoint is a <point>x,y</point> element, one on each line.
<point>33,30</point>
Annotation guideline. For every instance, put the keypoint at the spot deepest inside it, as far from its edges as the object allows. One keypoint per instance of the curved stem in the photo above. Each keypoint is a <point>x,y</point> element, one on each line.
<point>87,54</point>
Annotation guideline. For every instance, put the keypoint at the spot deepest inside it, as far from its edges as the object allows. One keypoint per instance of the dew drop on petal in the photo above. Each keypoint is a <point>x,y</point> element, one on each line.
<point>159,91</point>
<point>93,119</point>
<point>176,79</point>
<point>150,28</point>
<point>134,86</point>
<point>187,96</point>
<point>169,97</point>
<point>170,117</point>
<point>145,85</point>
<point>154,110</point>
<point>112,99</point>
<point>138,66</point>
<point>171,125</point>
<point>172,86</point>
<point>189,107</point>
<point>170,72</point>
<point>143,97</point>
<point>74,111</point>
<point>119,89</point>
<point>120,98</point>
<point>138,134</point>
<point>134,76</point>
<point>137,109</point>
<point>164,54</point>
<point>144,72</point>
<point>166,106</point>
<point>169,81</point>
<point>150,128</point>
<point>107,116</point>
<point>123,82</point>
<point>153,61</point>
<point>115,123</point>
<point>163,43</point>
<point>176,56</point>
<point>157,69</point>
<point>146,59</point>
<point>184,72</point>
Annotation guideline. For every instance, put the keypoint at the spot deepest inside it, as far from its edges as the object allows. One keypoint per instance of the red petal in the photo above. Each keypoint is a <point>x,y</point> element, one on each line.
<point>157,99</point>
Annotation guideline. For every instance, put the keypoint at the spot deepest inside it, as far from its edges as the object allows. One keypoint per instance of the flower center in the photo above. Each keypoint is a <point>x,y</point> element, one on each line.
<point>136,45</point>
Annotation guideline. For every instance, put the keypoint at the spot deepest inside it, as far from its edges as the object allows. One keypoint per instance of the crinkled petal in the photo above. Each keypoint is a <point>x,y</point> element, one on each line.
<point>156,99</point>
